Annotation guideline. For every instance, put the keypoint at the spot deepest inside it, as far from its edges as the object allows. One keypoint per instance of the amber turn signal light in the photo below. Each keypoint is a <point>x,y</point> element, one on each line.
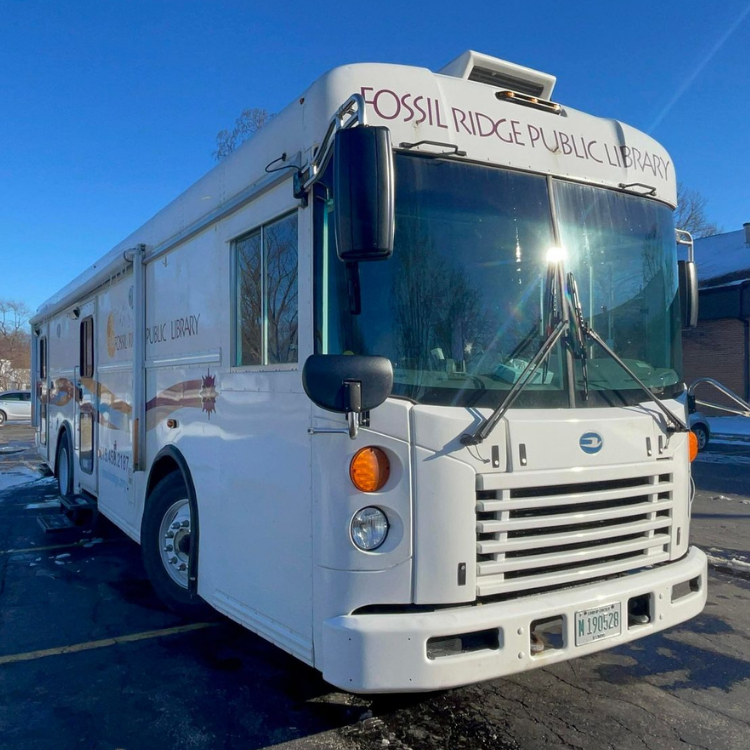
<point>692,445</point>
<point>370,469</point>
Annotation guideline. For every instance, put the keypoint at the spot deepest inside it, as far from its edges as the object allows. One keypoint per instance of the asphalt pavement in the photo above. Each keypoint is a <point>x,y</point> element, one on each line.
<point>721,510</point>
<point>89,658</point>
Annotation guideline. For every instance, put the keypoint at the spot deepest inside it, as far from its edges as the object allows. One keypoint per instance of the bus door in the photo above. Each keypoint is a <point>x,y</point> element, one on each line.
<point>87,397</point>
<point>41,392</point>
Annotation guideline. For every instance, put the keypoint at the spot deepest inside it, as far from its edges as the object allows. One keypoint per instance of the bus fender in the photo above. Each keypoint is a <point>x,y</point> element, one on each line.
<point>174,454</point>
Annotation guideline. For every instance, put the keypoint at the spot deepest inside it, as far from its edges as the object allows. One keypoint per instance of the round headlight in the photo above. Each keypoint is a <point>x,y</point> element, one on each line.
<point>369,528</point>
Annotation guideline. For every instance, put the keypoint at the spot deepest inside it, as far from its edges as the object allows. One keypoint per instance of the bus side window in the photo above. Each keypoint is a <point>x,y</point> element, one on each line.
<point>266,306</point>
<point>42,357</point>
<point>86,363</point>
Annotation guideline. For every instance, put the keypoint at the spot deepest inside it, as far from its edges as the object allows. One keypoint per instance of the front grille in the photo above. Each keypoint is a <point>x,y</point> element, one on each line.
<point>553,536</point>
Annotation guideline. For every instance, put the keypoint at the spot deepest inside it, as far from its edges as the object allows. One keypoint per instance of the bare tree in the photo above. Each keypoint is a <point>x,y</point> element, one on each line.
<point>268,275</point>
<point>691,213</point>
<point>245,127</point>
<point>435,306</point>
<point>15,344</point>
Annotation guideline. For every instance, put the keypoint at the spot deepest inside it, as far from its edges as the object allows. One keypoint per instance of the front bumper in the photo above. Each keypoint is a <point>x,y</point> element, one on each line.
<point>380,653</point>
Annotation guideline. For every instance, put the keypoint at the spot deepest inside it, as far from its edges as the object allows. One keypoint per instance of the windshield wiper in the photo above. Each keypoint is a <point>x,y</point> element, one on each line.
<point>556,317</point>
<point>487,425</point>
<point>578,331</point>
<point>584,330</point>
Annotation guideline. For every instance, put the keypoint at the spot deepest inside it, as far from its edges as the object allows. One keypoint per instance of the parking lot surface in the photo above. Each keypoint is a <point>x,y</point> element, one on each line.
<point>89,658</point>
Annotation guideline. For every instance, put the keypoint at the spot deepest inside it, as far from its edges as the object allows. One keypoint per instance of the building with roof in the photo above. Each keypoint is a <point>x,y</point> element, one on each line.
<point>720,346</point>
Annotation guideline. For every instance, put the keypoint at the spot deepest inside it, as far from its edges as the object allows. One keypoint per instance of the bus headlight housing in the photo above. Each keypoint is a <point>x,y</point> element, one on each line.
<point>369,528</point>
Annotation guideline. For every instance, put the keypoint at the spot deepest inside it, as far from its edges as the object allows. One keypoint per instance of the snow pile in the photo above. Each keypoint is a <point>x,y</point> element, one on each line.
<point>736,564</point>
<point>19,476</point>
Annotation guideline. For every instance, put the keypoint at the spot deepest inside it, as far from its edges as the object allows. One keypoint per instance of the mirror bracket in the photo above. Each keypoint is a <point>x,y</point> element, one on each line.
<point>353,289</point>
<point>351,113</point>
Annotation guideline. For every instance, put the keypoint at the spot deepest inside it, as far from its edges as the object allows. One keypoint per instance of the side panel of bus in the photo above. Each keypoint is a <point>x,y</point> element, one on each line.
<point>226,315</point>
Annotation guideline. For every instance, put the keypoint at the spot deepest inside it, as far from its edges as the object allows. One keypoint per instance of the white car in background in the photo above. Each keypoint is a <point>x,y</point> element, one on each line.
<point>699,425</point>
<point>15,406</point>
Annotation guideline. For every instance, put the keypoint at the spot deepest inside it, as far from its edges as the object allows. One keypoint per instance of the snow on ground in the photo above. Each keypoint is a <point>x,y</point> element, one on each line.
<point>21,476</point>
<point>737,564</point>
<point>728,428</point>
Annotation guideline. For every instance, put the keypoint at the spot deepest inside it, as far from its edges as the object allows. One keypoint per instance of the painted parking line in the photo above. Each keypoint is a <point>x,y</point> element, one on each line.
<point>105,643</point>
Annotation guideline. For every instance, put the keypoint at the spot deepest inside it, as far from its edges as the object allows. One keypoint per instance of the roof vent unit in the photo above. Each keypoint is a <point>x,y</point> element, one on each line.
<point>474,66</point>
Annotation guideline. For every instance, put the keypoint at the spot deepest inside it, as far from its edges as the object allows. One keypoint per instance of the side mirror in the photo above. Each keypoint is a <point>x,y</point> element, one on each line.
<point>688,278</point>
<point>364,185</point>
<point>347,384</point>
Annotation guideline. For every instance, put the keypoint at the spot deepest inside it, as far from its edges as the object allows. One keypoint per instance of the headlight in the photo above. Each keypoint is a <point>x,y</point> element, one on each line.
<point>369,528</point>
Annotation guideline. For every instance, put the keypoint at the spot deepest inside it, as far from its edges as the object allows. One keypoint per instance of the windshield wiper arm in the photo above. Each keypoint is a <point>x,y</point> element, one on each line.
<point>578,333</point>
<point>556,315</point>
<point>487,425</point>
<point>674,423</point>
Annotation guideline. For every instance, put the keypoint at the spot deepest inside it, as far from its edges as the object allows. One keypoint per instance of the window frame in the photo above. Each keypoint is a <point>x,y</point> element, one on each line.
<point>86,326</point>
<point>236,330</point>
<point>42,365</point>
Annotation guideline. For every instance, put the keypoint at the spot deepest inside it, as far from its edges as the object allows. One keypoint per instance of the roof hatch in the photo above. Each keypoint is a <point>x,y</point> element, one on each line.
<point>474,66</point>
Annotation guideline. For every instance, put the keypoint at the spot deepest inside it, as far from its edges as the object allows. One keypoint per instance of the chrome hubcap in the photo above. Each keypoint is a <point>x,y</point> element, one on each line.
<point>174,541</point>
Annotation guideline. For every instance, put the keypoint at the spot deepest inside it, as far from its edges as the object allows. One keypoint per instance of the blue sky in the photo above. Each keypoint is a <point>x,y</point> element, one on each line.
<point>110,109</point>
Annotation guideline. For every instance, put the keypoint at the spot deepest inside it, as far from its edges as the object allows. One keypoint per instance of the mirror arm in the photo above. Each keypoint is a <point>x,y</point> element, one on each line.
<point>353,288</point>
<point>353,403</point>
<point>352,112</point>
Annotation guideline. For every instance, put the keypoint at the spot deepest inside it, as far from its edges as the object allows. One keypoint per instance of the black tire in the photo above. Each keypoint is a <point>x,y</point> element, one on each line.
<point>701,432</point>
<point>3,417</point>
<point>166,578</point>
<point>64,465</point>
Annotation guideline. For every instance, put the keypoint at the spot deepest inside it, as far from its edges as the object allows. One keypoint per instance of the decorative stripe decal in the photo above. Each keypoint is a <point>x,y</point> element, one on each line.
<point>61,391</point>
<point>193,394</point>
<point>114,413</point>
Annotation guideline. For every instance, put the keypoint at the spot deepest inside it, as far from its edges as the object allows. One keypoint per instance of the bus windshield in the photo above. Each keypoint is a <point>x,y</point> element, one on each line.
<point>459,308</point>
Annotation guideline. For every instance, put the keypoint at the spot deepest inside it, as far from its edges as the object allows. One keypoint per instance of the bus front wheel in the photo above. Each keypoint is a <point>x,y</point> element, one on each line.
<point>64,466</point>
<point>167,537</point>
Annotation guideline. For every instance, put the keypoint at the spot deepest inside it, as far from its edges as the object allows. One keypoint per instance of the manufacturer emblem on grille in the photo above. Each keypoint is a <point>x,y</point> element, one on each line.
<point>591,442</point>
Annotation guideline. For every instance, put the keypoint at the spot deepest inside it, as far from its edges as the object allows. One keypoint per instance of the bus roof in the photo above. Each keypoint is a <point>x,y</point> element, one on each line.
<point>461,108</point>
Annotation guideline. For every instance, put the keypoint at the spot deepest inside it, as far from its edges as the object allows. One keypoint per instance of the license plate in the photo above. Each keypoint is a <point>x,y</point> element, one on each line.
<point>601,622</point>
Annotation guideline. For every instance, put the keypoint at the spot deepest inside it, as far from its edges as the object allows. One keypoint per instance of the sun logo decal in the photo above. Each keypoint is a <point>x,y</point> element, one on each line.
<point>208,393</point>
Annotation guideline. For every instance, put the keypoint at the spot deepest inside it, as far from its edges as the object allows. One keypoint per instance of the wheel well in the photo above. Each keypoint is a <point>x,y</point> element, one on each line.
<point>161,468</point>
<point>167,462</point>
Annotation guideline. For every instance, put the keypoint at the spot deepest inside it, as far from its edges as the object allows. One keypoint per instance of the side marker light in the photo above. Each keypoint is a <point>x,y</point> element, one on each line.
<point>369,469</point>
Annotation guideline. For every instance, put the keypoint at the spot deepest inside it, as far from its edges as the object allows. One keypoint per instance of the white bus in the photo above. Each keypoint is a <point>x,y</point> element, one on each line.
<point>397,384</point>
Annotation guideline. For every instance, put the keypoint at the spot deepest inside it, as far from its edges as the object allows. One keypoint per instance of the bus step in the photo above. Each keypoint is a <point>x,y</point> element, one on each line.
<point>55,522</point>
<point>82,510</point>
<point>78,503</point>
